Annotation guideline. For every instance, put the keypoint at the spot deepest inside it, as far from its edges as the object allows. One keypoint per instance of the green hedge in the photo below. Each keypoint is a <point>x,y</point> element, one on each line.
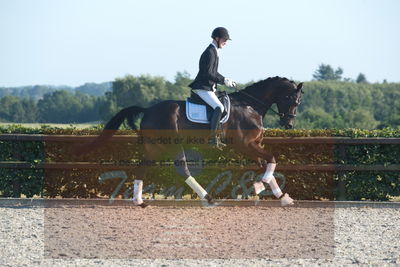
<point>223,182</point>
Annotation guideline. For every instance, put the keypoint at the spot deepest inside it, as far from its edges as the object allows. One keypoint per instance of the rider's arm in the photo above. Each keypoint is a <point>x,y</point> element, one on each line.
<point>221,77</point>
<point>207,62</point>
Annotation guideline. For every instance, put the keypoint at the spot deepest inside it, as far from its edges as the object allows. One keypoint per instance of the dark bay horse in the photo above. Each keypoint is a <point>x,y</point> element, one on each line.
<point>244,128</point>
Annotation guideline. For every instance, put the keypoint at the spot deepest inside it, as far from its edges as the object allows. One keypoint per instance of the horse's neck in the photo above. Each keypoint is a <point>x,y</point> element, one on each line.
<point>258,96</point>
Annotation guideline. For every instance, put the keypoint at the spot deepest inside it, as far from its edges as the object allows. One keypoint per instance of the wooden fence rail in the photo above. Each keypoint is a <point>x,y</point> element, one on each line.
<point>280,167</point>
<point>267,140</point>
<point>341,142</point>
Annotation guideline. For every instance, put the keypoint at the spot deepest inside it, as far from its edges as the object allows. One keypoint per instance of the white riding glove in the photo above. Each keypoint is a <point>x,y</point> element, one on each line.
<point>230,83</point>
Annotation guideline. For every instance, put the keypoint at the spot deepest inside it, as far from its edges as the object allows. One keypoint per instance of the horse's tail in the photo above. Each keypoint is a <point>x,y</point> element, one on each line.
<point>128,113</point>
<point>111,128</point>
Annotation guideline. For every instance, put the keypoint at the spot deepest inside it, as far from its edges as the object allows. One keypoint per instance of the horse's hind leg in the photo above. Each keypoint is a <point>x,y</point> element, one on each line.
<point>181,157</point>
<point>140,175</point>
<point>190,180</point>
<point>137,193</point>
<point>151,153</point>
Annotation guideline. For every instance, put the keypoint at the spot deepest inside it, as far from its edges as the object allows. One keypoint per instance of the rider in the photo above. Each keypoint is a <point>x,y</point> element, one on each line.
<point>205,83</point>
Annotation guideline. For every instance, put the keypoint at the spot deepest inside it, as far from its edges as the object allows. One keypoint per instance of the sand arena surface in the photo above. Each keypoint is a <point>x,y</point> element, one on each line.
<point>193,233</point>
<point>249,236</point>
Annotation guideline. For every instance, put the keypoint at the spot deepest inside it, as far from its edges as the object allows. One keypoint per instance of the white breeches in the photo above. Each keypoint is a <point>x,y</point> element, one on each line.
<point>210,98</point>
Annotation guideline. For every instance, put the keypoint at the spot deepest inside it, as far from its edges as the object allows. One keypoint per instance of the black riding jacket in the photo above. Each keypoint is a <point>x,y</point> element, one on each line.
<point>208,75</point>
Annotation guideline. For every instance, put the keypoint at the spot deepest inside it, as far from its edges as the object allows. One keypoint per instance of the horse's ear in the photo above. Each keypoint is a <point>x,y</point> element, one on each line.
<point>299,86</point>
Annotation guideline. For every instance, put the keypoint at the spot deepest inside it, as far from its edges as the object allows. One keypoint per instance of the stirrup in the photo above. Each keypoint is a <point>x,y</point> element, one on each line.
<point>216,142</point>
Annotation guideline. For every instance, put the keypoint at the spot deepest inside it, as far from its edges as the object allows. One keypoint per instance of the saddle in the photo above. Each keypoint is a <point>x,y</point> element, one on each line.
<point>200,112</point>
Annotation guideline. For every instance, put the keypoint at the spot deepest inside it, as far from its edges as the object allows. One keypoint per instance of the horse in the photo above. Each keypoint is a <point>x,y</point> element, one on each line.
<point>244,129</point>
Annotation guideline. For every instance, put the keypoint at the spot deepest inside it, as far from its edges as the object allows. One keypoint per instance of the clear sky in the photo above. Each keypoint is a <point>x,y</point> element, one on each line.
<point>70,42</point>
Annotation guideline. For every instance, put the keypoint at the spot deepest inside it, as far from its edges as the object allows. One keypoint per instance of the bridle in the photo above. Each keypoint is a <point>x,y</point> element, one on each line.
<point>293,100</point>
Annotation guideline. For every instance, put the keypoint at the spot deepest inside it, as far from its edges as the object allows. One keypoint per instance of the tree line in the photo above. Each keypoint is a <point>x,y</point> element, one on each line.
<point>330,101</point>
<point>37,92</point>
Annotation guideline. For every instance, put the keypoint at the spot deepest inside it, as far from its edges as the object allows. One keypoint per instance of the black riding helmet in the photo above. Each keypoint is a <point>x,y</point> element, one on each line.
<point>220,32</point>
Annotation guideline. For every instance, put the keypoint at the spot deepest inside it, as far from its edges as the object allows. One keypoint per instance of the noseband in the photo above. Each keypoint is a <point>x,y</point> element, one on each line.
<point>293,101</point>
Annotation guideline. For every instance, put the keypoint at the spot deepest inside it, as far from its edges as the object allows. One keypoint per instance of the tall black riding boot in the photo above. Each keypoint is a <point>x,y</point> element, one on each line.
<point>215,119</point>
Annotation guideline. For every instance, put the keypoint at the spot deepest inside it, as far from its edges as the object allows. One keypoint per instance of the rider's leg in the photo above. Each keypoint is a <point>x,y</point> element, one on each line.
<point>215,119</point>
<point>211,99</point>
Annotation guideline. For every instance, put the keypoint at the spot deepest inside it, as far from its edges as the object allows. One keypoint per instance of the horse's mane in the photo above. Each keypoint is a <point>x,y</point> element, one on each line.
<point>254,90</point>
<point>265,82</point>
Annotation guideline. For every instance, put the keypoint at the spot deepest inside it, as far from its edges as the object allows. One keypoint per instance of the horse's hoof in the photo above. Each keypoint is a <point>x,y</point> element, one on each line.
<point>143,205</point>
<point>286,200</point>
<point>209,199</point>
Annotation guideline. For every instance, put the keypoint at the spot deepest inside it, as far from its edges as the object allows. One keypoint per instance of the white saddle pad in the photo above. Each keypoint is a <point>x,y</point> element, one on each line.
<point>198,113</point>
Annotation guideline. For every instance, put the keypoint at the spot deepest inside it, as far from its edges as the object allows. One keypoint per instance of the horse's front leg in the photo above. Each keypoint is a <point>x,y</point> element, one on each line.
<point>255,151</point>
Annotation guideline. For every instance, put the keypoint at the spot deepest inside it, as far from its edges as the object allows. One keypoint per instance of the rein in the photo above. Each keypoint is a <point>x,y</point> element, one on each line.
<point>281,115</point>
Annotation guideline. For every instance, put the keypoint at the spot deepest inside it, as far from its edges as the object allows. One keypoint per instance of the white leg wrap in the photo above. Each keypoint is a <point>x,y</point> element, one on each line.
<point>196,187</point>
<point>137,191</point>
<point>259,187</point>
<point>275,187</point>
<point>269,172</point>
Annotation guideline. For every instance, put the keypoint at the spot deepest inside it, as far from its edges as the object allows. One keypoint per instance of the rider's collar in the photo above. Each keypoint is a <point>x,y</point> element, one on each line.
<point>214,43</point>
